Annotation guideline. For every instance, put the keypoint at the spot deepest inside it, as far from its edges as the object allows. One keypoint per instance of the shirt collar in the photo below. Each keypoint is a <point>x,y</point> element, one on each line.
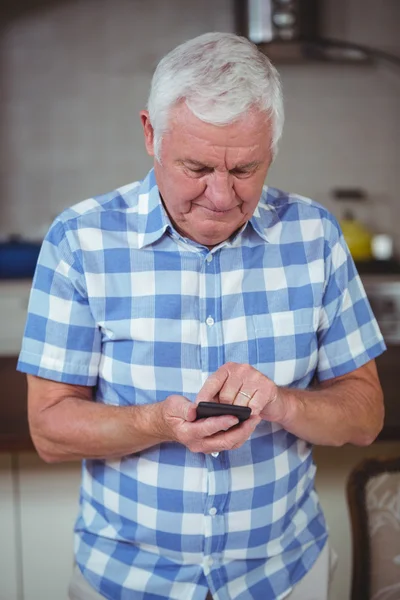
<point>265,216</point>
<point>153,220</point>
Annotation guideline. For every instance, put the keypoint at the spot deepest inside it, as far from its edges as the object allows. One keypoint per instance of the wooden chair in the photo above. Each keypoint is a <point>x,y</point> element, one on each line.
<point>373,495</point>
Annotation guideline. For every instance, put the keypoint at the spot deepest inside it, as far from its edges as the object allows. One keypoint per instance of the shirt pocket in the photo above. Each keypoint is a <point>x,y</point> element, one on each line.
<point>286,346</point>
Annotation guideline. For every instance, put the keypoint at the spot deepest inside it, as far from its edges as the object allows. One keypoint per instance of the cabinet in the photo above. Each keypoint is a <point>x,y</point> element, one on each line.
<point>49,496</point>
<point>10,564</point>
<point>14,432</point>
<point>38,508</point>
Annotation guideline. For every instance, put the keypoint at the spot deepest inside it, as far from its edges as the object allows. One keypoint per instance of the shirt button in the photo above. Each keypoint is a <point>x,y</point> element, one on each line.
<point>212,511</point>
<point>210,321</point>
<point>209,560</point>
<point>214,454</point>
<point>209,258</point>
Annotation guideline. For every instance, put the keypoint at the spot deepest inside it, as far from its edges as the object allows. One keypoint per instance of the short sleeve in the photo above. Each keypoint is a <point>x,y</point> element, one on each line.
<point>348,334</point>
<point>61,341</point>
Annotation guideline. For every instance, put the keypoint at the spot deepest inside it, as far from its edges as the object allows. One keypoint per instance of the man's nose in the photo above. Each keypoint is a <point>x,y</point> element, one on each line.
<point>219,190</point>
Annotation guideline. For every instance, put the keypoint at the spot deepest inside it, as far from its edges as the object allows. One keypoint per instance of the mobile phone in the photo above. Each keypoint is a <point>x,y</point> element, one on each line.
<point>215,409</point>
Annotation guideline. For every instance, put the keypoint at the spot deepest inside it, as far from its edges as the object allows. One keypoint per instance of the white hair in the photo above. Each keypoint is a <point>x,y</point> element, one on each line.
<point>220,76</point>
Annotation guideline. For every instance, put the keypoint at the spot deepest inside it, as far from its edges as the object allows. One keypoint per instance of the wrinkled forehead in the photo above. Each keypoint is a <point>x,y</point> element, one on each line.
<point>249,135</point>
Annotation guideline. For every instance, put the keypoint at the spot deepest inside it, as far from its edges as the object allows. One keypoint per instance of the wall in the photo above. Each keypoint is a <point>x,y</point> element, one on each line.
<point>75,77</point>
<point>343,122</point>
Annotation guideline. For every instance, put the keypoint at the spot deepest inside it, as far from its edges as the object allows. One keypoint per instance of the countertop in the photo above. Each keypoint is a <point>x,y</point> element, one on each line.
<point>14,431</point>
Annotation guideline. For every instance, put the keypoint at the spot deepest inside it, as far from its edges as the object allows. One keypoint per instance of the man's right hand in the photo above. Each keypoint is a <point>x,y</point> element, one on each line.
<point>65,424</point>
<point>214,434</point>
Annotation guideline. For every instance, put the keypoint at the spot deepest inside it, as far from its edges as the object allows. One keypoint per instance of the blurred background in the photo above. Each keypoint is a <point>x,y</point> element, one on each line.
<point>74,75</point>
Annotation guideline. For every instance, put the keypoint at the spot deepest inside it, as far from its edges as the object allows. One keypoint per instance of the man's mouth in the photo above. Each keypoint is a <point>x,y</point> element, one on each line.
<point>216,211</point>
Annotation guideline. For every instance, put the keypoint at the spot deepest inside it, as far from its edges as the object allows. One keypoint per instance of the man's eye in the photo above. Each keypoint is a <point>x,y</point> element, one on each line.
<point>240,173</point>
<point>200,171</point>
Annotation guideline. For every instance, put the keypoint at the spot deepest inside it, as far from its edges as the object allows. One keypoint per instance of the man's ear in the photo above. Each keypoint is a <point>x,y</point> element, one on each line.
<point>148,132</point>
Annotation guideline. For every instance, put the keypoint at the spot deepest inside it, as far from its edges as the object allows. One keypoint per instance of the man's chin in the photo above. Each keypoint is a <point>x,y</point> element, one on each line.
<point>215,235</point>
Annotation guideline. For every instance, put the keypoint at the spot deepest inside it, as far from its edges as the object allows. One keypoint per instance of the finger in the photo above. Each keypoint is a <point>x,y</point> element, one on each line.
<point>181,408</point>
<point>243,397</point>
<point>212,386</point>
<point>230,390</point>
<point>262,398</point>
<point>213,425</point>
<point>190,412</point>
<point>245,429</point>
<point>271,404</point>
<point>233,437</point>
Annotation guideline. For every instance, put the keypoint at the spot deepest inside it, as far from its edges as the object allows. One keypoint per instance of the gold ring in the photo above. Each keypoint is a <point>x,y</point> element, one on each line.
<point>247,395</point>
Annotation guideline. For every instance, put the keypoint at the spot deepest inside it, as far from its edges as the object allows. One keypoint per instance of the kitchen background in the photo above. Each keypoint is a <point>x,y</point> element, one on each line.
<point>74,76</point>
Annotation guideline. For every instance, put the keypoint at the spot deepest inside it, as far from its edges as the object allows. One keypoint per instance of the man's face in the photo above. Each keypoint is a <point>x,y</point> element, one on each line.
<point>210,177</point>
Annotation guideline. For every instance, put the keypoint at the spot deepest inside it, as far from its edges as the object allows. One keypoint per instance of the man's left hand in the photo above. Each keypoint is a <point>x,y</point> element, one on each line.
<point>241,384</point>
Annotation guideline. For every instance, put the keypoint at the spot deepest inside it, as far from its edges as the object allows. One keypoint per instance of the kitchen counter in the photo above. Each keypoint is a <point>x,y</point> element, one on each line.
<point>14,431</point>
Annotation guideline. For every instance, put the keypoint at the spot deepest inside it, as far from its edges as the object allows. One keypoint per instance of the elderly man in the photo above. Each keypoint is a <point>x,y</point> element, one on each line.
<point>199,284</point>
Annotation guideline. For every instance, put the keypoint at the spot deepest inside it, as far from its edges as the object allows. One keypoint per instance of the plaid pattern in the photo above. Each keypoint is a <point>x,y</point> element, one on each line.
<point>120,301</point>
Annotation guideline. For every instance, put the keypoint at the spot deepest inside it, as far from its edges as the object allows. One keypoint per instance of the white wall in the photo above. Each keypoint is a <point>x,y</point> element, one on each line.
<point>343,121</point>
<point>76,76</point>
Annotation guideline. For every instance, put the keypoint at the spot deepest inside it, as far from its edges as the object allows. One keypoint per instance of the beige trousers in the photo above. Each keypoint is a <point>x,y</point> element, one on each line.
<point>314,586</point>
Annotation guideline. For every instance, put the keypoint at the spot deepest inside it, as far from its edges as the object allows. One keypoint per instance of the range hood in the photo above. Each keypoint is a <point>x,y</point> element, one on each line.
<point>279,27</point>
<point>290,31</point>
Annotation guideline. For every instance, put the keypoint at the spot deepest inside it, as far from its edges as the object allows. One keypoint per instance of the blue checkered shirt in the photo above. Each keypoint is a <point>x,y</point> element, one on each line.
<point>122,302</point>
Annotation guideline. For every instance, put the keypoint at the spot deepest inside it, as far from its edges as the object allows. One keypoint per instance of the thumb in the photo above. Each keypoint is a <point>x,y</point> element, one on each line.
<point>182,408</point>
<point>190,411</point>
